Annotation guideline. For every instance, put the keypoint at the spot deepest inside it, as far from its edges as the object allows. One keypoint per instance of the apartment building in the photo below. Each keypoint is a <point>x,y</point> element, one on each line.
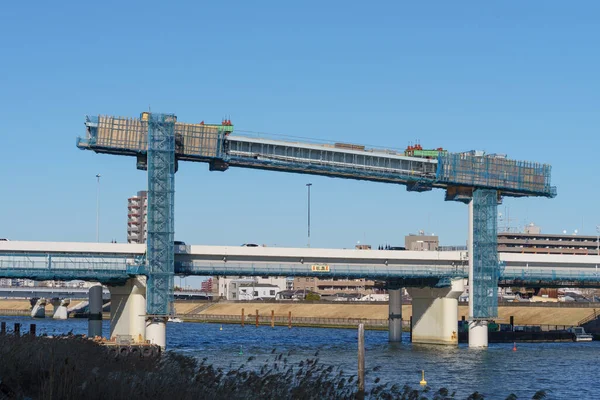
<point>331,286</point>
<point>137,218</point>
<point>536,242</point>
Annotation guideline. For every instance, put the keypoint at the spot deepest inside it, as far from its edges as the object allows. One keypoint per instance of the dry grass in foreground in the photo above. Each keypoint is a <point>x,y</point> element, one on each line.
<point>74,368</point>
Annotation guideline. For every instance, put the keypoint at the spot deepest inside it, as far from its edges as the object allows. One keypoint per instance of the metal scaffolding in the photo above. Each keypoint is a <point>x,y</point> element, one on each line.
<point>480,170</point>
<point>484,281</point>
<point>161,200</point>
<point>129,136</point>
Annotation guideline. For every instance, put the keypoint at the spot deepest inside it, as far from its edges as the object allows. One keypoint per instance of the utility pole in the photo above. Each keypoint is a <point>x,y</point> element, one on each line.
<point>98,208</point>
<point>308,185</point>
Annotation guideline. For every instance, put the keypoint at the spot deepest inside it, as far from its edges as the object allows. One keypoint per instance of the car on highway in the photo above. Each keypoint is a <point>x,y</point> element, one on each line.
<point>179,247</point>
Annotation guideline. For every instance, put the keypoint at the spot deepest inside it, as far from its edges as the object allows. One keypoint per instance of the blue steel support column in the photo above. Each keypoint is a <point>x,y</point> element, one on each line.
<point>484,266</point>
<point>161,196</point>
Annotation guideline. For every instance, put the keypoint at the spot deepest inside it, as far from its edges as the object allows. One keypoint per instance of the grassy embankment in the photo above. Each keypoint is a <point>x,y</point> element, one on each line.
<point>522,315</point>
<point>529,315</point>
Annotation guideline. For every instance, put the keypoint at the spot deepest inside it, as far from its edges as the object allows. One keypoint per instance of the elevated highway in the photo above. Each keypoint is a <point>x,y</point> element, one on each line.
<point>114,263</point>
<point>78,293</point>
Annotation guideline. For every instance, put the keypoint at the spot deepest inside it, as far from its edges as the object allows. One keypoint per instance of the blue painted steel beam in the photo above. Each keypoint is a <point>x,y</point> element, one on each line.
<point>334,172</point>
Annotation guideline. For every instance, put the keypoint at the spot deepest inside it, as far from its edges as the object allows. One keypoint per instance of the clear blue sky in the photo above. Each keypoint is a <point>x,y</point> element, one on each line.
<point>515,77</point>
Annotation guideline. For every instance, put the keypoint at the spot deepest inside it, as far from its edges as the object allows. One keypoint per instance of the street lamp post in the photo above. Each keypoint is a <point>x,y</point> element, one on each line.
<point>308,185</point>
<point>98,208</point>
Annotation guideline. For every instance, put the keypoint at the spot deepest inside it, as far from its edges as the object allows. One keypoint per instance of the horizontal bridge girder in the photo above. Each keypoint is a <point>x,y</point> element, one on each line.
<point>102,262</point>
<point>216,145</point>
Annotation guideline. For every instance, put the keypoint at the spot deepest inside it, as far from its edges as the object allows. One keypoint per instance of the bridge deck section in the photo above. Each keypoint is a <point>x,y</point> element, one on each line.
<point>109,262</point>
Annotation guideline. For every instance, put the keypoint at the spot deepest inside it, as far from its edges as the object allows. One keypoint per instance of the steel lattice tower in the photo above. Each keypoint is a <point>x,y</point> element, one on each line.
<point>484,281</point>
<point>161,201</point>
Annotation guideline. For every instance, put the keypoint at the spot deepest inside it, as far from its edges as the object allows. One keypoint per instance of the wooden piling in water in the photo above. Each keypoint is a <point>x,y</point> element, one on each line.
<point>257,318</point>
<point>290,320</point>
<point>3,328</point>
<point>17,330</point>
<point>32,329</point>
<point>242,317</point>
<point>272,318</point>
<point>361,361</point>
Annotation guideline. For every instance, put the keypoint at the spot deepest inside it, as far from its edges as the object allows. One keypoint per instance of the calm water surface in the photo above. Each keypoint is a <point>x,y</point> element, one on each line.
<point>568,370</point>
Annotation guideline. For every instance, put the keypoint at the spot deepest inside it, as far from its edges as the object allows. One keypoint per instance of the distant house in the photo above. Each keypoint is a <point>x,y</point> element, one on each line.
<point>257,291</point>
<point>228,287</point>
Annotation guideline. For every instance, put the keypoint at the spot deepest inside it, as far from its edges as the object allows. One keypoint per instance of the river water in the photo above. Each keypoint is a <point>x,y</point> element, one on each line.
<point>566,370</point>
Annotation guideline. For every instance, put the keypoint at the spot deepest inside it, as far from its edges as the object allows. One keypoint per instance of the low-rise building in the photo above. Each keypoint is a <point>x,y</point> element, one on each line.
<point>421,242</point>
<point>228,287</point>
<point>330,286</point>
<point>257,291</point>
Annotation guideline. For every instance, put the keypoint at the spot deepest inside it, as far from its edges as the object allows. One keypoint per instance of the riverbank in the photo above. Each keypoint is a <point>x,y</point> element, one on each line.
<point>320,312</point>
<point>523,315</point>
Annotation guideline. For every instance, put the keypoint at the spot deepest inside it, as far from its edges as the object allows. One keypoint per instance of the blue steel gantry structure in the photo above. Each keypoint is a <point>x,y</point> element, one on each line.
<point>159,142</point>
<point>161,208</point>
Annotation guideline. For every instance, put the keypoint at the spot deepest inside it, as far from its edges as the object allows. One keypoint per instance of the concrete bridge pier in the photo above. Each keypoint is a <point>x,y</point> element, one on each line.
<point>156,331</point>
<point>395,315</point>
<point>478,333</point>
<point>95,311</point>
<point>60,308</point>
<point>435,314</point>
<point>39,309</point>
<point>128,310</point>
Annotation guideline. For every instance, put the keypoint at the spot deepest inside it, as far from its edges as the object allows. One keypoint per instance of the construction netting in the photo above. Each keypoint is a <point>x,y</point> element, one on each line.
<point>131,135</point>
<point>481,170</point>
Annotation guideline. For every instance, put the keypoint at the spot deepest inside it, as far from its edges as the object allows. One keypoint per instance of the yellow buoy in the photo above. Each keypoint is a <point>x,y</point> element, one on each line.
<point>221,328</point>
<point>423,381</point>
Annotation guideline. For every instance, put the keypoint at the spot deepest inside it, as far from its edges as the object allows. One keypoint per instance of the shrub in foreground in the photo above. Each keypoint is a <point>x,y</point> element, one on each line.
<point>74,368</point>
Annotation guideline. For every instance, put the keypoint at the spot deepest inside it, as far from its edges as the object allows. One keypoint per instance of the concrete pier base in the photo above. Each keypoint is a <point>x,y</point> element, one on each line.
<point>435,314</point>
<point>95,311</point>
<point>39,309</point>
<point>60,308</point>
<point>156,331</point>
<point>478,334</point>
<point>395,315</point>
<point>128,310</point>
